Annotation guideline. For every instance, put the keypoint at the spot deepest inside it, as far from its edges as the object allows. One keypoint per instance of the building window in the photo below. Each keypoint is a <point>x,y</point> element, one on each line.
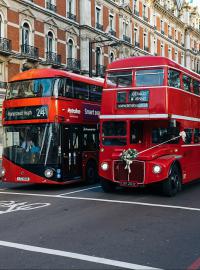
<point>25,34</point>
<point>50,42</point>
<point>98,15</point>
<point>162,50</point>
<point>98,56</point>
<point>111,22</point>
<point>162,27</point>
<point>112,57</point>
<point>70,48</point>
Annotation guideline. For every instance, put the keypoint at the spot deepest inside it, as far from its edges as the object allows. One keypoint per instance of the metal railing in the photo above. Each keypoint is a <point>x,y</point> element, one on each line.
<point>53,58</point>
<point>50,6</point>
<point>100,70</point>
<point>3,85</point>
<point>29,51</point>
<point>71,16</point>
<point>99,26</point>
<point>5,45</point>
<point>112,32</point>
<point>145,19</point>
<point>73,64</point>
<point>127,39</point>
<point>137,44</point>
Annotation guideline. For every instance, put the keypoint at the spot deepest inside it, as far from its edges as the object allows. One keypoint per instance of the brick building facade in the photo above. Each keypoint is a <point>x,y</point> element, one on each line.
<point>57,33</point>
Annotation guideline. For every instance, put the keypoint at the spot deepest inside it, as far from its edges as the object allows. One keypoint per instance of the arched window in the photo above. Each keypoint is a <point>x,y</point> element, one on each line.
<point>25,34</point>
<point>70,48</point>
<point>50,42</point>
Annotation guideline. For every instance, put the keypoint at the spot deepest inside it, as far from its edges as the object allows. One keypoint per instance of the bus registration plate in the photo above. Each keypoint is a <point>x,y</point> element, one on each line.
<point>19,178</point>
<point>128,184</point>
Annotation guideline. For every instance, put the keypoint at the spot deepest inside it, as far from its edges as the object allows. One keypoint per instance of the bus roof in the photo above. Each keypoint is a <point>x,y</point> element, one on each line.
<point>49,73</point>
<point>143,61</point>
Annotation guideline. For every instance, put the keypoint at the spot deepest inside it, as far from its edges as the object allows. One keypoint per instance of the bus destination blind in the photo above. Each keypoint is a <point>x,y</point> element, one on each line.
<point>136,99</point>
<point>26,113</point>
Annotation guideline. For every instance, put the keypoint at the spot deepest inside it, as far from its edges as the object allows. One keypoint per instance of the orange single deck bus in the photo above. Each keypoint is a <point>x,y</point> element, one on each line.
<point>50,121</point>
<point>150,124</point>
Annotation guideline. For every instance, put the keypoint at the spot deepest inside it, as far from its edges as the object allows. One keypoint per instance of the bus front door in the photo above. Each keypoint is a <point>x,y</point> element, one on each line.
<point>71,149</point>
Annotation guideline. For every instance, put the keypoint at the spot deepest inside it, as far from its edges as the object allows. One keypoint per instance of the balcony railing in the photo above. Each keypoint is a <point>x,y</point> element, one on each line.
<point>137,44</point>
<point>71,16</point>
<point>51,6</point>
<point>100,70</point>
<point>170,36</point>
<point>99,26</point>
<point>127,39</point>
<point>162,32</point>
<point>112,32</point>
<point>145,19</point>
<point>53,58</point>
<point>5,45</point>
<point>3,85</point>
<point>73,64</point>
<point>29,51</point>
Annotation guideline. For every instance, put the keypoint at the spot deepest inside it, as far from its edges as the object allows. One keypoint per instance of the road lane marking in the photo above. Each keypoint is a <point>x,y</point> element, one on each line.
<point>76,256</point>
<point>80,190</point>
<point>104,200</point>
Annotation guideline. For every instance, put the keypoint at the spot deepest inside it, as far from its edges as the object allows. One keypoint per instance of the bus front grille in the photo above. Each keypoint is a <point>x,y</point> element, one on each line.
<point>136,174</point>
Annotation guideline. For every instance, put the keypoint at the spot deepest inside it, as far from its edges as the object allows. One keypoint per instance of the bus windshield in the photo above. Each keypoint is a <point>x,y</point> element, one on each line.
<point>31,88</point>
<point>149,77</point>
<point>32,144</point>
<point>114,133</point>
<point>119,79</point>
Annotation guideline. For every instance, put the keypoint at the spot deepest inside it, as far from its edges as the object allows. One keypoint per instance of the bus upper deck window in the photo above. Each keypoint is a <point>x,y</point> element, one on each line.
<point>149,77</point>
<point>119,79</point>
<point>174,78</point>
<point>196,87</point>
<point>187,83</point>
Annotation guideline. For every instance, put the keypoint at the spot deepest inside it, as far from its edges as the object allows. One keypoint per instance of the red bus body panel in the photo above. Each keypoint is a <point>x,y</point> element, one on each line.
<point>165,103</point>
<point>60,110</point>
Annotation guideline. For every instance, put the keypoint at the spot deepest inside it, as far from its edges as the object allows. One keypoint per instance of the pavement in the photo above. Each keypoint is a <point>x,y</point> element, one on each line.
<point>81,227</point>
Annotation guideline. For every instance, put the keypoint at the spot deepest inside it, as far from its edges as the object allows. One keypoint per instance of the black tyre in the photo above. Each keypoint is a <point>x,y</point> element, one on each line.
<point>172,185</point>
<point>91,173</point>
<point>107,186</point>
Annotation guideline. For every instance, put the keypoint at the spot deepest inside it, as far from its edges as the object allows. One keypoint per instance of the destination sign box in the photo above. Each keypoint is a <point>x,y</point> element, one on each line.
<point>136,99</point>
<point>26,113</point>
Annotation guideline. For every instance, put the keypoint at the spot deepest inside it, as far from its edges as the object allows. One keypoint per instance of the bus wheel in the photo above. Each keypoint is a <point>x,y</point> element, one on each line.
<point>107,186</point>
<point>172,185</point>
<point>91,173</point>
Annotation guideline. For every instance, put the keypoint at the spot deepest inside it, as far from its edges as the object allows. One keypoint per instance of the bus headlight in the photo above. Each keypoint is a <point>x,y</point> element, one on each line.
<point>48,173</point>
<point>104,166</point>
<point>157,169</point>
<point>2,172</point>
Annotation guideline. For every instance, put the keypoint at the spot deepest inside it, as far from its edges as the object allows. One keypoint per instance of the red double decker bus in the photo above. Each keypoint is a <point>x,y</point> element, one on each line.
<point>50,121</point>
<point>150,124</point>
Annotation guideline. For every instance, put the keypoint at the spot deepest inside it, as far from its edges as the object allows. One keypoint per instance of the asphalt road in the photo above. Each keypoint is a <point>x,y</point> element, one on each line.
<point>80,227</point>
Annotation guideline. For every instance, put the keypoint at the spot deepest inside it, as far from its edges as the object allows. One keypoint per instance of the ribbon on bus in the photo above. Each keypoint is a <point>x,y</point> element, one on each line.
<point>130,154</point>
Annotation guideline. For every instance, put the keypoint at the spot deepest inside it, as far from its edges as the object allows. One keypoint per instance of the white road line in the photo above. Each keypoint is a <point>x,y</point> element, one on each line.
<point>80,190</point>
<point>104,200</point>
<point>76,256</point>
